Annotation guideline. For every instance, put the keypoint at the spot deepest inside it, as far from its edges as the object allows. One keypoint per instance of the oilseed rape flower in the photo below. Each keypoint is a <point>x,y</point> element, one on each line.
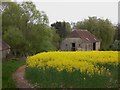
<point>84,61</point>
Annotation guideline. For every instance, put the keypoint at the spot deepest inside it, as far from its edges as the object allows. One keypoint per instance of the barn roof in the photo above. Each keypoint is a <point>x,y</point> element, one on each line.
<point>4,45</point>
<point>84,35</point>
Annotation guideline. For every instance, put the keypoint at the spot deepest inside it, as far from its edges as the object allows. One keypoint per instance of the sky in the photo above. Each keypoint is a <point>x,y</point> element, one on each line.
<point>78,10</point>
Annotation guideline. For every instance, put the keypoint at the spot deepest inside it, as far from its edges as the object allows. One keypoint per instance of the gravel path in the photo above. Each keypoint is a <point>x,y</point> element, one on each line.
<point>18,77</point>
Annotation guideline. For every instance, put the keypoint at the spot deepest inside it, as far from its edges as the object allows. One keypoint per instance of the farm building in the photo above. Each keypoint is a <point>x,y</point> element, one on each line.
<point>81,40</point>
<point>4,49</point>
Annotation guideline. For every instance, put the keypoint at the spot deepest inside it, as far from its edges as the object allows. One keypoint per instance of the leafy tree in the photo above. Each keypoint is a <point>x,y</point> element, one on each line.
<point>34,16</point>
<point>12,26</point>
<point>11,15</point>
<point>15,39</point>
<point>25,28</point>
<point>62,29</point>
<point>41,38</point>
<point>117,37</point>
<point>22,15</point>
<point>55,38</point>
<point>116,45</point>
<point>102,29</point>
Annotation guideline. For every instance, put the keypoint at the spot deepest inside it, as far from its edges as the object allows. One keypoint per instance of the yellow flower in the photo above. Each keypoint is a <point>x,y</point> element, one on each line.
<point>84,61</point>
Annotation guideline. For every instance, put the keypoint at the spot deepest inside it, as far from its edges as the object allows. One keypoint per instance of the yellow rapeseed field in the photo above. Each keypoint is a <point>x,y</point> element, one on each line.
<point>84,61</point>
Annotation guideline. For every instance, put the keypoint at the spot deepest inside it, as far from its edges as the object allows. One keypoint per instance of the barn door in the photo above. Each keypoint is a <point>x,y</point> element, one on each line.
<point>94,46</point>
<point>73,46</point>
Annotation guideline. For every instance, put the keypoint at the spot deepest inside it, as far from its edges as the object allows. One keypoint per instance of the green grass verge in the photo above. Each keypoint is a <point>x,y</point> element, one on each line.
<point>8,68</point>
<point>0,75</point>
<point>114,77</point>
<point>51,78</point>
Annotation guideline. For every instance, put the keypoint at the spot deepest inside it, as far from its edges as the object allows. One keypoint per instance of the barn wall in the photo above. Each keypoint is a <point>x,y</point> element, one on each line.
<point>5,53</point>
<point>89,46</point>
<point>66,44</point>
<point>97,45</point>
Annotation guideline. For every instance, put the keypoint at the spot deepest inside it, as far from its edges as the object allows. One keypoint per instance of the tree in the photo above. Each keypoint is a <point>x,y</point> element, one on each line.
<point>116,45</point>
<point>34,16</point>
<point>62,29</point>
<point>55,38</point>
<point>15,39</point>
<point>22,15</point>
<point>118,32</point>
<point>41,39</point>
<point>11,15</point>
<point>102,29</point>
<point>25,28</point>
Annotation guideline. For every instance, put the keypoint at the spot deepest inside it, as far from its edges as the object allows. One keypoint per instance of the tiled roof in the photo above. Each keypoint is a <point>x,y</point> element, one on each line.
<point>84,35</point>
<point>3,45</point>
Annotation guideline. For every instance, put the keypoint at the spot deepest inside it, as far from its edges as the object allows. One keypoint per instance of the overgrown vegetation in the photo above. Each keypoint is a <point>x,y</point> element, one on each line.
<point>8,68</point>
<point>51,78</point>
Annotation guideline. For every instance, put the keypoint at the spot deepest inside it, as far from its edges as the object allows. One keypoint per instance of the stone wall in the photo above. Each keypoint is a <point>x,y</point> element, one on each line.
<point>5,53</point>
<point>66,44</point>
<point>80,45</point>
<point>97,45</point>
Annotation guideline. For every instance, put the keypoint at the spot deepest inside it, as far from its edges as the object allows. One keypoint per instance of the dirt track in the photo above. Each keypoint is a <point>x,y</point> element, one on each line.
<point>18,77</point>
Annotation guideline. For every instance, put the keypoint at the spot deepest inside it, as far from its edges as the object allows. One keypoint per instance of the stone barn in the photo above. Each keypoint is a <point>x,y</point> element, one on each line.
<point>81,40</point>
<point>4,49</point>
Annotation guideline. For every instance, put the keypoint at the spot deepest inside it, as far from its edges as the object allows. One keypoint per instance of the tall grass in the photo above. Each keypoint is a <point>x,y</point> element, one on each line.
<point>94,69</point>
<point>8,68</point>
<point>51,78</point>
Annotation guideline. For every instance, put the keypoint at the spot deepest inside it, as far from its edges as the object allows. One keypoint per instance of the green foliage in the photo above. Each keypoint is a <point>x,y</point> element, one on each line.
<point>8,68</point>
<point>15,39</point>
<point>116,45</point>
<point>51,78</point>
<point>55,39</point>
<point>102,29</point>
<point>25,28</point>
<point>62,28</point>
<point>11,15</point>
<point>41,38</point>
<point>117,32</point>
<point>32,14</point>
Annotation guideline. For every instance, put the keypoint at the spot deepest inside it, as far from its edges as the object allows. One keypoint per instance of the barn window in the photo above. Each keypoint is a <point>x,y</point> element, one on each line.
<point>66,44</point>
<point>79,45</point>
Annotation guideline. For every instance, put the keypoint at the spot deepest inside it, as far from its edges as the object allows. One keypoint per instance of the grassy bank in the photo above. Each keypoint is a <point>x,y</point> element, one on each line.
<point>8,68</point>
<point>51,78</point>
